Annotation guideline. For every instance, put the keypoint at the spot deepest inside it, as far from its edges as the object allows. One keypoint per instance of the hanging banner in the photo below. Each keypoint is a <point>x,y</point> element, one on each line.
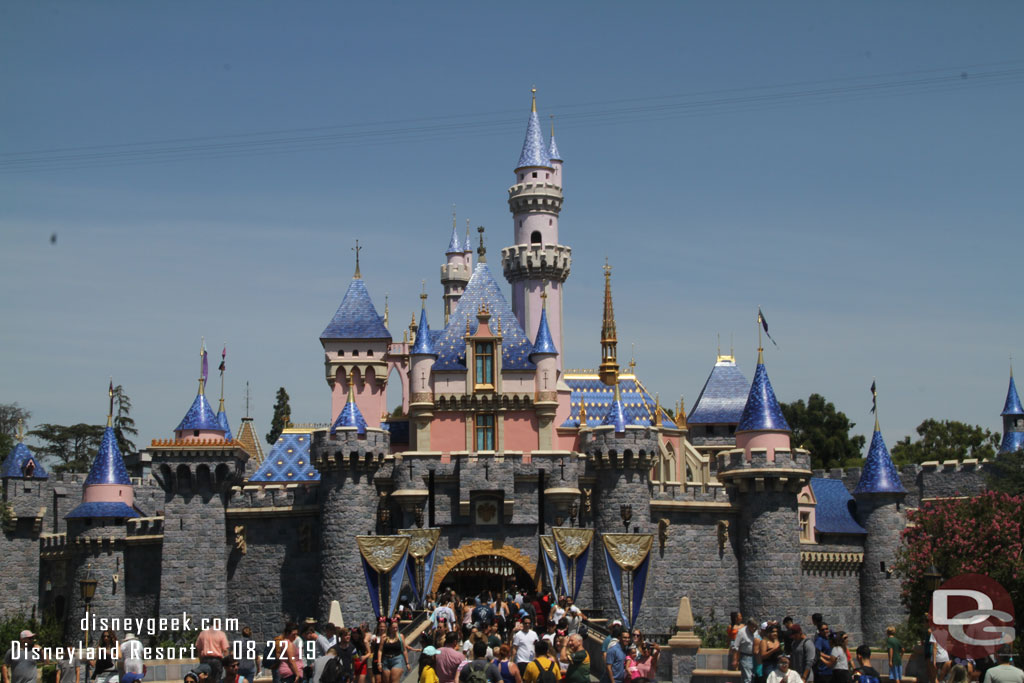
<point>573,546</point>
<point>384,559</point>
<point>422,548</point>
<point>629,553</point>
<point>547,545</point>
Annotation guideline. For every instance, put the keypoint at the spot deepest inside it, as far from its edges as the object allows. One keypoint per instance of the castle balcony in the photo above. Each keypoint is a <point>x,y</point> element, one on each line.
<point>535,198</point>
<point>788,470</point>
<point>142,530</point>
<point>536,262</point>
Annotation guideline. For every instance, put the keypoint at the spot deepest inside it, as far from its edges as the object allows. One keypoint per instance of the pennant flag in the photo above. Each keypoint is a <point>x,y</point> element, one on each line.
<point>572,545</point>
<point>764,325</point>
<point>629,553</point>
<point>420,568</point>
<point>223,359</point>
<point>874,397</point>
<point>548,555</point>
<point>384,560</point>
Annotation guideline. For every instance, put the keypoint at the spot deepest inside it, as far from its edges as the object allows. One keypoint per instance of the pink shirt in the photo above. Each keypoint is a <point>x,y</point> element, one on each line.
<point>448,661</point>
<point>212,643</point>
<point>284,669</point>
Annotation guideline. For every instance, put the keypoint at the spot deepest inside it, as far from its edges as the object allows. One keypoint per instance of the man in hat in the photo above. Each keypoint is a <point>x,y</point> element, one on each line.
<point>19,663</point>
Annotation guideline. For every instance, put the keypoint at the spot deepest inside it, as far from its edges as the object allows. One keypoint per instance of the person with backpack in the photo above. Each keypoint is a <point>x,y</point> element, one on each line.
<point>803,654</point>
<point>478,670</point>
<point>543,669</point>
<point>864,673</point>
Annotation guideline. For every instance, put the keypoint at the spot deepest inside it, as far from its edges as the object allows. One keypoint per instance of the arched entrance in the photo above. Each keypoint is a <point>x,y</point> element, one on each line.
<point>485,565</point>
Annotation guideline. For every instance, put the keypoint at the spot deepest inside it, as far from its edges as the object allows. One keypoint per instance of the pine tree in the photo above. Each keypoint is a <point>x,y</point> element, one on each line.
<point>282,416</point>
<point>123,424</point>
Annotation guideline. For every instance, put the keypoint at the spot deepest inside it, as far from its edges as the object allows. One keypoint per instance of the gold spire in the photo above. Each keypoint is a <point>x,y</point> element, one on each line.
<point>357,249</point>
<point>681,413</point>
<point>21,429</point>
<point>110,411</point>
<point>202,375</point>
<point>583,411</point>
<point>760,347</point>
<point>351,385</point>
<point>423,294</point>
<point>632,358</point>
<point>544,306</point>
<point>609,370</point>
<point>386,314</point>
<point>552,125</point>
<point>533,107</point>
<point>657,410</point>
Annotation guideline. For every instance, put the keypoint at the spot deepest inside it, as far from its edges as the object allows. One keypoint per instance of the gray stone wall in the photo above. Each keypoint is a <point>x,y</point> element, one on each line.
<point>833,591</point>
<point>769,551</point>
<point>142,580</point>
<point>97,548</point>
<point>881,515</point>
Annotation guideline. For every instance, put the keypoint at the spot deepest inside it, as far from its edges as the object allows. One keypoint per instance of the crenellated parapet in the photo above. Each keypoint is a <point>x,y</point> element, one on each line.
<point>536,262</point>
<point>635,448</point>
<point>535,198</point>
<point>347,449</point>
<point>787,470</point>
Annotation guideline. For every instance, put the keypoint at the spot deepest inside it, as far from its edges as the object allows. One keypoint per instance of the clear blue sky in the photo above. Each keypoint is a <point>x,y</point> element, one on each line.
<point>853,168</point>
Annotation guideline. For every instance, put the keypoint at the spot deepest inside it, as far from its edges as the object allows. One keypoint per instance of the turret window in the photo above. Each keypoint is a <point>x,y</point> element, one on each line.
<point>483,353</point>
<point>355,352</point>
<point>535,237</point>
<point>485,432</point>
<point>534,174</point>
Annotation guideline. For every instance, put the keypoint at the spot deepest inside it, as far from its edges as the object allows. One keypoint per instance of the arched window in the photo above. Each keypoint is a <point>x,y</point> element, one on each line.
<point>535,237</point>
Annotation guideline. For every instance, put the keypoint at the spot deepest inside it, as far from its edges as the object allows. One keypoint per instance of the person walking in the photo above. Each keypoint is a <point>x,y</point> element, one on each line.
<point>804,653</point>
<point>743,650</point>
<point>212,646</point>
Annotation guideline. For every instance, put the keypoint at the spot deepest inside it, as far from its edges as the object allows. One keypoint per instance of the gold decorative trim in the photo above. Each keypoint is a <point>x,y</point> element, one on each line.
<point>831,560</point>
<point>274,511</point>
<point>477,548</point>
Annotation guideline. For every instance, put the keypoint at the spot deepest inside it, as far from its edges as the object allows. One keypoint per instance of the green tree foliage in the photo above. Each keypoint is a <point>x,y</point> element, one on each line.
<point>983,535</point>
<point>48,631</point>
<point>73,447</point>
<point>282,416</point>
<point>824,431</point>
<point>10,415</point>
<point>1006,473</point>
<point>124,425</point>
<point>946,440</point>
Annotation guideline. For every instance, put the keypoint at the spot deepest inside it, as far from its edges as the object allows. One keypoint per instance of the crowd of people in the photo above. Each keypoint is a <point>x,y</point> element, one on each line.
<point>774,652</point>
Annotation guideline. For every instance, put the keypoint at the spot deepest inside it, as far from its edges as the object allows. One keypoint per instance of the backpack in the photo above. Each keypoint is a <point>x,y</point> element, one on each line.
<point>549,675</point>
<point>270,655</point>
<point>335,671</point>
<point>476,674</point>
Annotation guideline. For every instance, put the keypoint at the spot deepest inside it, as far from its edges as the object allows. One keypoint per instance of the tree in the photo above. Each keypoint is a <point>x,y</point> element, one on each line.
<point>1006,473</point>
<point>824,431</point>
<point>282,416</point>
<point>73,446</point>
<point>123,424</point>
<point>10,415</point>
<point>946,440</point>
<point>983,535</point>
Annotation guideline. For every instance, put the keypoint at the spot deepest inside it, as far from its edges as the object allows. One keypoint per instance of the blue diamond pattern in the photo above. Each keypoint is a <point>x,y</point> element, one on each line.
<point>199,416</point>
<point>553,153</point>
<point>288,461</point>
<point>1012,405</point>
<point>879,474</point>
<point>762,411</point>
<point>544,344</point>
<point>451,347</point>
<point>356,317</point>
<point>616,416</point>
<point>453,245</point>
<point>1012,442</point>
<point>637,404</point>
<point>108,465</point>
<point>833,513</point>
<point>349,417</point>
<point>222,420</point>
<point>723,397</point>
<point>533,146</point>
<point>424,345</point>
<point>14,463</point>
<point>96,509</point>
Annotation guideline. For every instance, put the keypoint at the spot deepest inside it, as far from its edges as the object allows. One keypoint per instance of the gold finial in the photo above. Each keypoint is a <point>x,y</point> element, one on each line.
<point>202,369</point>
<point>552,125</point>
<point>760,347</point>
<point>412,321</point>
<point>609,369</point>
<point>632,358</point>
<point>423,293</point>
<point>533,107</point>
<point>386,314</point>
<point>357,249</point>
<point>482,250</point>
<point>351,384</point>
<point>544,297</point>
<point>681,414</point>
<point>110,411</point>
<point>583,411</point>
<point>657,410</point>
<point>21,429</point>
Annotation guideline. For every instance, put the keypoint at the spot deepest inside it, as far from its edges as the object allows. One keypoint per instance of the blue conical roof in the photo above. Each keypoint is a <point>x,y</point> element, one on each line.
<point>14,463</point>
<point>723,397</point>
<point>453,245</point>
<point>553,153</point>
<point>1012,442</point>
<point>617,414</point>
<point>533,153</point>
<point>544,344</point>
<point>350,416</point>
<point>1012,405</point>
<point>424,345</point>
<point>108,465</point>
<point>879,474</point>
<point>199,416</point>
<point>762,411</point>
<point>356,317</point>
<point>222,420</point>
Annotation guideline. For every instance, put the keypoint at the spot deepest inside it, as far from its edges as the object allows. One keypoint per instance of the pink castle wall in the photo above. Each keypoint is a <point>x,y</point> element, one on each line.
<point>448,432</point>
<point>108,493</point>
<point>521,431</point>
<point>770,440</point>
<point>370,396</point>
<point>205,434</point>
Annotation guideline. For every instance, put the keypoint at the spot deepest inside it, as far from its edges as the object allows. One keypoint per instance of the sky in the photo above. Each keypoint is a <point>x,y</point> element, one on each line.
<point>852,168</point>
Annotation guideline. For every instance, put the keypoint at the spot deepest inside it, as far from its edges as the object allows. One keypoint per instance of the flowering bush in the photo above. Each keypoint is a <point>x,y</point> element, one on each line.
<point>983,534</point>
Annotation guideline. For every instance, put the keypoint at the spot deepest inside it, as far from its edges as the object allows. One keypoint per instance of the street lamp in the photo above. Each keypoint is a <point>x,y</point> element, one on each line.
<point>626,513</point>
<point>574,509</point>
<point>87,586</point>
<point>418,512</point>
<point>932,578</point>
<point>384,515</point>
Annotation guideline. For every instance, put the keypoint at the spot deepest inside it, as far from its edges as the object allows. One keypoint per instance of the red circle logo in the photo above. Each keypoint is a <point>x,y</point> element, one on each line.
<point>971,616</point>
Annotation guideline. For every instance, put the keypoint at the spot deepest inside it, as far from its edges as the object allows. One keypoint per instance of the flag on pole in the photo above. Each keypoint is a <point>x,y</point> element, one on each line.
<point>874,397</point>
<point>206,365</point>
<point>764,325</point>
<point>223,359</point>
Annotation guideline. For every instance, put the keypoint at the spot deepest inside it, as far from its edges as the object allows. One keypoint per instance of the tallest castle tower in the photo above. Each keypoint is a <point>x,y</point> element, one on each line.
<point>537,263</point>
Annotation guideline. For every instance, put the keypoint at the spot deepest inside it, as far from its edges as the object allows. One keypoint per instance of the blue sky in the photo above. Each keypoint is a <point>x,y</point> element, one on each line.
<point>853,168</point>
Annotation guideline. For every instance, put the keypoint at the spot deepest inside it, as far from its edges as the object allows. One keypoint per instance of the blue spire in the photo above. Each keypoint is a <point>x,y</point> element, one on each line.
<point>762,411</point>
<point>356,317</point>
<point>108,465</point>
<point>1012,405</point>
<point>533,146</point>
<point>453,245</point>
<point>553,153</point>
<point>544,344</point>
<point>350,416</point>
<point>222,421</point>
<point>879,474</point>
<point>424,345</point>
<point>15,462</point>
<point>617,414</point>
<point>1012,442</point>
<point>199,416</point>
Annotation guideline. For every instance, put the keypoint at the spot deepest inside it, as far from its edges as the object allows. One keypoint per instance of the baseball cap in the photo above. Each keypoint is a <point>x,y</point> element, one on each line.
<point>203,669</point>
<point>430,650</point>
<point>616,623</point>
<point>27,634</point>
<point>764,625</point>
<point>794,629</point>
<point>131,678</point>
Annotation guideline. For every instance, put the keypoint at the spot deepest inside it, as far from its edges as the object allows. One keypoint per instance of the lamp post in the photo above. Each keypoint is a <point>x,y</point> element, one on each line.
<point>384,515</point>
<point>418,512</point>
<point>574,510</point>
<point>932,581</point>
<point>626,513</point>
<point>87,586</point>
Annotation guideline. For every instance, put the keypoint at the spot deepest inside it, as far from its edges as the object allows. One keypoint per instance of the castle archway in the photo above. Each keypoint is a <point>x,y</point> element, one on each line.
<point>485,564</point>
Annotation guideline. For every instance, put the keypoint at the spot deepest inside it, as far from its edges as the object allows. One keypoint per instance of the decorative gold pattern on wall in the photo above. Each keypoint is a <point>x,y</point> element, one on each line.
<point>475,548</point>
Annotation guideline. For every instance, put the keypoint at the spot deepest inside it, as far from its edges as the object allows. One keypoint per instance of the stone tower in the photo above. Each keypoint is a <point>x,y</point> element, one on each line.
<point>456,271</point>
<point>537,263</point>
<point>879,495</point>
<point>764,477</point>
<point>355,345</point>
<point>1013,421</point>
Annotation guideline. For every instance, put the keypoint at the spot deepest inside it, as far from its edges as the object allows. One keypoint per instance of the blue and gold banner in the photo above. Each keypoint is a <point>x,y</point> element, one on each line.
<point>547,547</point>
<point>384,559</point>
<point>422,551</point>
<point>628,556</point>
<point>573,548</point>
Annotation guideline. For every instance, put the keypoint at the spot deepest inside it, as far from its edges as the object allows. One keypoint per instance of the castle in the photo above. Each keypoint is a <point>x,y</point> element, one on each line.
<point>496,443</point>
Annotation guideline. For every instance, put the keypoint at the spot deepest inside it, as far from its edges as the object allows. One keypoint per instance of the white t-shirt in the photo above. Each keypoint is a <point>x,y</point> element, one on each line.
<point>132,651</point>
<point>941,656</point>
<point>791,677</point>
<point>523,643</point>
<point>842,663</point>
<point>743,642</point>
<point>558,613</point>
